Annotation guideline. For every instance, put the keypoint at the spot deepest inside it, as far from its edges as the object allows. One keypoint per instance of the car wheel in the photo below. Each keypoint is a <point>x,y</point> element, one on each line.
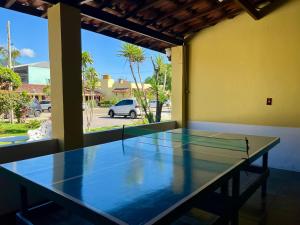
<point>49,109</point>
<point>111,114</point>
<point>132,114</point>
<point>37,113</point>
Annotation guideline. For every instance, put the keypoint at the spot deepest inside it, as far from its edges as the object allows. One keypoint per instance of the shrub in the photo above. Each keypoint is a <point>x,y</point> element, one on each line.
<point>18,102</point>
<point>8,78</point>
<point>114,100</point>
<point>33,124</point>
<point>105,104</point>
<point>21,106</point>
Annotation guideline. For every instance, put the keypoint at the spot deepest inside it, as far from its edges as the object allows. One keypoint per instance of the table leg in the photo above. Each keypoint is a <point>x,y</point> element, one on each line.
<point>24,199</point>
<point>225,193</point>
<point>225,189</point>
<point>235,197</point>
<point>265,168</point>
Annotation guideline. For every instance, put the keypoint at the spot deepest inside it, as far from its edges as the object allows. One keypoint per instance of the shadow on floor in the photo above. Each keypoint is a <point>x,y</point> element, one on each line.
<point>282,205</point>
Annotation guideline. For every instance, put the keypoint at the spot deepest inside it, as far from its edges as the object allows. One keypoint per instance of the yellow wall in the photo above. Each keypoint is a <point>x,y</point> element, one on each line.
<point>178,86</point>
<point>235,65</point>
<point>66,83</point>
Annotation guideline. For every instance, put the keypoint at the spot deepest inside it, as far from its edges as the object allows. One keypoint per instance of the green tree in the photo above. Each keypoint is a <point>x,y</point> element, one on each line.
<point>9,79</point>
<point>15,53</point>
<point>5,103</point>
<point>21,102</point>
<point>135,56</point>
<point>2,51</point>
<point>2,56</point>
<point>14,102</point>
<point>160,84</point>
<point>47,89</point>
<point>91,78</point>
<point>87,60</point>
<point>90,81</point>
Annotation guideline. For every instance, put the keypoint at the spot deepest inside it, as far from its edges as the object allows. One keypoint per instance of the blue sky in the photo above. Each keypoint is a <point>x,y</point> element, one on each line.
<point>30,35</point>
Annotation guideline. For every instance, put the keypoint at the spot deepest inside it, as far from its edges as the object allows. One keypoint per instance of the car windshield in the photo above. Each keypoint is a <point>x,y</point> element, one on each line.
<point>125,102</point>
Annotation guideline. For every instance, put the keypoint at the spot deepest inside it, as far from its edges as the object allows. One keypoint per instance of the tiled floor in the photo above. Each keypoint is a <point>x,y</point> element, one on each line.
<point>281,207</point>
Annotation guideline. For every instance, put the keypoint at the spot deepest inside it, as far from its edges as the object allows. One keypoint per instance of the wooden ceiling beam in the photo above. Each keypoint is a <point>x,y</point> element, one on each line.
<point>85,1</point>
<point>24,9</point>
<point>149,5</point>
<point>141,5</point>
<point>179,8</point>
<point>249,8</point>
<point>141,40</point>
<point>127,25</point>
<point>103,27</point>
<point>108,18</point>
<point>211,22</point>
<point>197,16</point>
<point>9,3</point>
<point>135,10</point>
<point>101,4</point>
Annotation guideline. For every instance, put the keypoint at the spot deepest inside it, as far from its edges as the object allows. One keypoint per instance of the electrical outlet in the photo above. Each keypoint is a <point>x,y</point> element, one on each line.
<point>269,101</point>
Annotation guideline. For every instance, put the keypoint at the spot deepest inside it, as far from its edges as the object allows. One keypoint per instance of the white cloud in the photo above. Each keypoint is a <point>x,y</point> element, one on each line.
<point>27,52</point>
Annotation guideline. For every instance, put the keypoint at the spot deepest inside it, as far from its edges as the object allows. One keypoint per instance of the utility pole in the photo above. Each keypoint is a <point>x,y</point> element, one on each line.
<point>9,64</point>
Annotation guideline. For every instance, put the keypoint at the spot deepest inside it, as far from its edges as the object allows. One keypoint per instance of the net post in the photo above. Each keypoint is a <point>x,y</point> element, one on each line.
<point>247,146</point>
<point>123,130</point>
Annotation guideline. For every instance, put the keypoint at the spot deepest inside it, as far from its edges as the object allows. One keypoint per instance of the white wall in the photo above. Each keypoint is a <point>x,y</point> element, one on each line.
<point>285,155</point>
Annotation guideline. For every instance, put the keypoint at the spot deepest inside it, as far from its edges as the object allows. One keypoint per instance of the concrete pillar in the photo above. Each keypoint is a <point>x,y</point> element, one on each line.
<point>66,82</point>
<point>179,85</point>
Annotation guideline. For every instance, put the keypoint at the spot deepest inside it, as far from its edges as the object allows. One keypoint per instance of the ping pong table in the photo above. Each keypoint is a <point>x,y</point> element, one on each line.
<point>149,179</point>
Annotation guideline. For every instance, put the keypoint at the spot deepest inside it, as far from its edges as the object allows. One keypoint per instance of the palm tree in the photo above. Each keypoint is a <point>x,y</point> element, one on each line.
<point>3,56</point>
<point>90,80</point>
<point>158,84</point>
<point>2,50</point>
<point>135,56</point>
<point>87,60</point>
<point>14,55</point>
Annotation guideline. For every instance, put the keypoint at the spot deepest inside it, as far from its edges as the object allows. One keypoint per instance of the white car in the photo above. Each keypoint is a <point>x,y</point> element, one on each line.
<point>152,103</point>
<point>126,107</point>
<point>45,105</point>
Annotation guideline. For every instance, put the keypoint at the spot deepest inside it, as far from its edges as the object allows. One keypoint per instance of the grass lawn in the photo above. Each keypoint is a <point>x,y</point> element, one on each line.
<point>17,129</point>
<point>104,128</point>
<point>115,127</point>
<point>7,129</point>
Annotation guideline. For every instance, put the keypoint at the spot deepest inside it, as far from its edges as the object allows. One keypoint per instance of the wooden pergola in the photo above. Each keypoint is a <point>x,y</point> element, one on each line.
<point>154,24</point>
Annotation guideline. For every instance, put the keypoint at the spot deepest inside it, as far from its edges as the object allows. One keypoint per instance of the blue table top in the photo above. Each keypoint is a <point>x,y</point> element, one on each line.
<point>138,179</point>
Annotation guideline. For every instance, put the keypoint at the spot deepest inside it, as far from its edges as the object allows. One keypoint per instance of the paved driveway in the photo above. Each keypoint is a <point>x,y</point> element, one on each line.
<point>101,119</point>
